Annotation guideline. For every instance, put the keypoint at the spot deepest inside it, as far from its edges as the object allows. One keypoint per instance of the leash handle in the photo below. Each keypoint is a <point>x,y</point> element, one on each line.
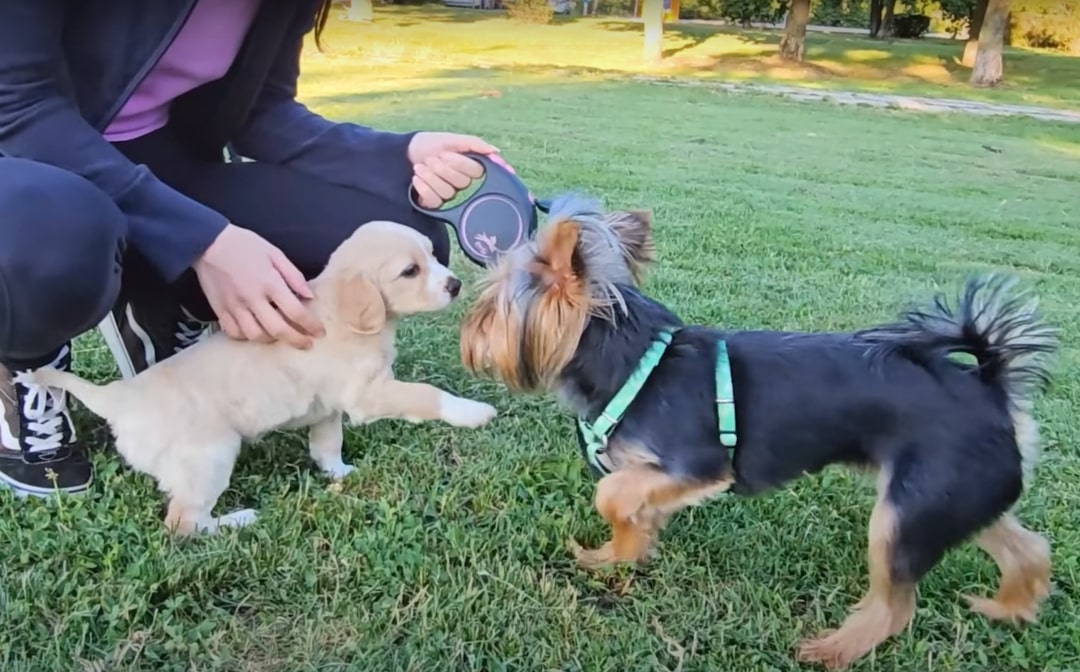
<point>499,216</point>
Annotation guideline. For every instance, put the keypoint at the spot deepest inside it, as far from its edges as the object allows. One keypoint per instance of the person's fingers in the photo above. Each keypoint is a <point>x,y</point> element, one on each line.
<point>468,143</point>
<point>457,169</point>
<point>291,274</point>
<point>295,313</point>
<point>444,190</point>
<point>425,195</point>
<point>229,326</point>
<point>250,327</point>
<point>448,174</point>
<point>275,325</point>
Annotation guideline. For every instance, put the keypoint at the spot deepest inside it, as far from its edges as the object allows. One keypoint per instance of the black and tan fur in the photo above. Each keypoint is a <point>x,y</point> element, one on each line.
<point>949,442</point>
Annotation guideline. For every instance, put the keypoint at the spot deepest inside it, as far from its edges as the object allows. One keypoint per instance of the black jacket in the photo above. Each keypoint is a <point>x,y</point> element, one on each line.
<point>66,69</point>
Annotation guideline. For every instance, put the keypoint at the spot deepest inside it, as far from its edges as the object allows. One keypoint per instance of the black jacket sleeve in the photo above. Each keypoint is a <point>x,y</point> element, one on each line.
<point>282,130</point>
<point>38,122</point>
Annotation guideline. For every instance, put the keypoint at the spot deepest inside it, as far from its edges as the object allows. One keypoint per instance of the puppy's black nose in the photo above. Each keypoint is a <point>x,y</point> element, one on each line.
<point>453,285</point>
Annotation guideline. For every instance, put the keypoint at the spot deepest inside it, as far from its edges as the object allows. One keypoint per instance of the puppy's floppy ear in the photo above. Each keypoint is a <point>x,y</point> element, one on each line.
<point>360,305</point>
<point>634,230</point>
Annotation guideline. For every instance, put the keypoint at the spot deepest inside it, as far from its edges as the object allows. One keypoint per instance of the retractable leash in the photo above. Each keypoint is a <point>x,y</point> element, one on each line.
<point>499,216</point>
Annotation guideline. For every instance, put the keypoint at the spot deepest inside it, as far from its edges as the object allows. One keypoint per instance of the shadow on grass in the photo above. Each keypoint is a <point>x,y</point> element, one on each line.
<point>925,67</point>
<point>440,85</point>
<point>407,16</point>
<point>686,35</point>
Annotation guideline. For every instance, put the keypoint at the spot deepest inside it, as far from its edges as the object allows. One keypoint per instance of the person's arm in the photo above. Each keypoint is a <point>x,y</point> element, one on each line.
<point>283,131</point>
<point>38,122</point>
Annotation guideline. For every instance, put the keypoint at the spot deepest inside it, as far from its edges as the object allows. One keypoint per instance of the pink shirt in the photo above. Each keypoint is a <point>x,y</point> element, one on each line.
<point>202,52</point>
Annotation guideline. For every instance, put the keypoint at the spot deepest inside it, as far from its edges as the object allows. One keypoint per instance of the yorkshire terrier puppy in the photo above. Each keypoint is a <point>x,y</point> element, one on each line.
<point>671,415</point>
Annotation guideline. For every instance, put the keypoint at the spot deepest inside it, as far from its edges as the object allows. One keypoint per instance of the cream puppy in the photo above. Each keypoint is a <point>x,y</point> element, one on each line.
<point>182,421</point>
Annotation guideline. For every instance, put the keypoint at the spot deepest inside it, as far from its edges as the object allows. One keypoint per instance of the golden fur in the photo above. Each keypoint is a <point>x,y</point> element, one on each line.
<point>182,421</point>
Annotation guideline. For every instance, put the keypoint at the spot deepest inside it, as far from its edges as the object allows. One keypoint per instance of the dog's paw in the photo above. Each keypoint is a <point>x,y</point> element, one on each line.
<point>592,558</point>
<point>465,412</point>
<point>240,518</point>
<point>1013,612</point>
<point>338,471</point>
<point>825,649</point>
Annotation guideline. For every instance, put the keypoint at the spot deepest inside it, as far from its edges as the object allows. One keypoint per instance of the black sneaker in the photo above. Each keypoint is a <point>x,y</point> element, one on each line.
<point>39,452</point>
<point>142,333</point>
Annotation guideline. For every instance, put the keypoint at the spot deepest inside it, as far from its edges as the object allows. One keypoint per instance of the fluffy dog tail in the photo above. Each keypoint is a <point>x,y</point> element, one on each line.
<point>1001,328</point>
<point>102,400</point>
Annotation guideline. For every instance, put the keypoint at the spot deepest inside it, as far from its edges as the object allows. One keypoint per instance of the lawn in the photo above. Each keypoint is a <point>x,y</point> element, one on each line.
<point>446,549</point>
<point>466,48</point>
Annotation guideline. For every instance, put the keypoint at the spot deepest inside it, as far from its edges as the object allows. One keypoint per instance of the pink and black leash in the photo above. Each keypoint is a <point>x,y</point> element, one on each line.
<point>498,217</point>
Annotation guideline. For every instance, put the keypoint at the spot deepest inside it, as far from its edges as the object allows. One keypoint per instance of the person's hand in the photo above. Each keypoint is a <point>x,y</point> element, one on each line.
<point>252,288</point>
<point>440,169</point>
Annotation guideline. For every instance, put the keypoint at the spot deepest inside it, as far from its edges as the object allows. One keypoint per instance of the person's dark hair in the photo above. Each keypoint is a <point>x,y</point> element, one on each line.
<point>321,15</point>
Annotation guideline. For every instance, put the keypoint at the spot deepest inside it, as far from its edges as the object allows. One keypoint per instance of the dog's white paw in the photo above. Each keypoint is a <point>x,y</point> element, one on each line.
<point>338,471</point>
<point>240,518</point>
<point>465,412</point>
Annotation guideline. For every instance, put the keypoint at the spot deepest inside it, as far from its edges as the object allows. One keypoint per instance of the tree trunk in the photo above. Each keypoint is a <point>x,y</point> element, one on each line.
<point>975,22</point>
<point>652,15</point>
<point>888,22</point>
<point>988,69</point>
<point>359,10</point>
<point>793,43</point>
<point>875,17</point>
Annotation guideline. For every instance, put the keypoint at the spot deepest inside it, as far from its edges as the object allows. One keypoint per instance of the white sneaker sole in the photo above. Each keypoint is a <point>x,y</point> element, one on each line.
<point>23,490</point>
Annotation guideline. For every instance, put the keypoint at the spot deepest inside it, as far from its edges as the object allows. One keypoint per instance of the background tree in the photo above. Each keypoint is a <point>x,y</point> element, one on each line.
<point>359,10</point>
<point>888,21</point>
<point>652,16</point>
<point>967,13</point>
<point>975,22</point>
<point>989,69</point>
<point>875,17</point>
<point>793,43</point>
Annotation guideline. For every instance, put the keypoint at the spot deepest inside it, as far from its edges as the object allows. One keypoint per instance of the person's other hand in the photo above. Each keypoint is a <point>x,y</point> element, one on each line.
<point>440,167</point>
<point>253,288</point>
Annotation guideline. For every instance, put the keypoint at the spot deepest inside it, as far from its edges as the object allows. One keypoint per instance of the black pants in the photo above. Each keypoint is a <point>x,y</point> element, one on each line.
<point>62,253</point>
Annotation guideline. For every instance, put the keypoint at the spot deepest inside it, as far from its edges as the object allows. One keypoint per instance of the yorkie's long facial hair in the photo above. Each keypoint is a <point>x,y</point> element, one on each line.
<point>950,443</point>
<point>537,299</point>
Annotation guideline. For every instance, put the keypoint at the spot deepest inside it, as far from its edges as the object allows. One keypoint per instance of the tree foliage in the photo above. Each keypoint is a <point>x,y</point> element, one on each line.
<point>957,11</point>
<point>847,13</point>
<point>529,11</point>
<point>1046,25</point>
<point>746,12</point>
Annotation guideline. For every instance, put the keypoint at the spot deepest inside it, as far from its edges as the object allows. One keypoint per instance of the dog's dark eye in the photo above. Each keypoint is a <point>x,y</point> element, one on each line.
<point>411,271</point>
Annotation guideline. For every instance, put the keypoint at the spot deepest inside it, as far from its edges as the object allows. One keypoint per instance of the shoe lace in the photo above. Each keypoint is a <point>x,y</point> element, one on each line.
<point>189,330</point>
<point>44,409</point>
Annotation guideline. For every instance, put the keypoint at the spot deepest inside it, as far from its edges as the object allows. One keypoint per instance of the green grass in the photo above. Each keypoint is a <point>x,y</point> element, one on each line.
<point>446,550</point>
<point>452,47</point>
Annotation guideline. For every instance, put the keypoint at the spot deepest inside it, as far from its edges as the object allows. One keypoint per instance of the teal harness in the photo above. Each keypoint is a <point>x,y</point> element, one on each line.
<point>595,435</point>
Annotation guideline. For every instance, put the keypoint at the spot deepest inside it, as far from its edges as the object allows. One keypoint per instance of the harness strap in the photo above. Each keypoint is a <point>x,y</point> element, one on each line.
<point>594,436</point>
<point>725,397</point>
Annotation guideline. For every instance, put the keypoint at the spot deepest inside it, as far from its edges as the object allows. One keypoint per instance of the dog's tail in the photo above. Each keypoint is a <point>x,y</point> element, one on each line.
<point>1001,328</point>
<point>102,400</point>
